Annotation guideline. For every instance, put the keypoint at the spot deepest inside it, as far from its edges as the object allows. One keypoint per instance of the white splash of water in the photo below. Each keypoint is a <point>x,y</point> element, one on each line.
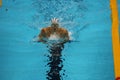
<point>54,37</point>
<point>70,35</point>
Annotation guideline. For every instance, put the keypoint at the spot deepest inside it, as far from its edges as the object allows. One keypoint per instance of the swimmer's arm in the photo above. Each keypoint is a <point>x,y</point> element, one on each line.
<point>67,36</point>
<point>41,36</point>
<point>67,39</point>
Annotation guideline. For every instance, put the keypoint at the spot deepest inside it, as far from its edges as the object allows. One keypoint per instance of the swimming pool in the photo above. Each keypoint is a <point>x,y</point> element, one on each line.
<point>88,57</point>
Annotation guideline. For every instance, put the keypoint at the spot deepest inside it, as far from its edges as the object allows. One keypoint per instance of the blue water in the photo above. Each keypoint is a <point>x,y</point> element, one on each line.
<point>89,22</point>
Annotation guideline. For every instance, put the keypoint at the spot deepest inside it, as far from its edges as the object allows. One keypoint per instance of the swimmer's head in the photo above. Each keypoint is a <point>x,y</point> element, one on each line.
<point>54,22</point>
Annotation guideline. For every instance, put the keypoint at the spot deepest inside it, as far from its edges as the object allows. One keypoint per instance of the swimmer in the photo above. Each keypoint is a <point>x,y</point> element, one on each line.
<point>54,32</point>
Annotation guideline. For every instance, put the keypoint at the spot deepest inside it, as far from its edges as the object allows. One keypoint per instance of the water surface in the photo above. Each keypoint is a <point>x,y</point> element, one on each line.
<point>89,58</point>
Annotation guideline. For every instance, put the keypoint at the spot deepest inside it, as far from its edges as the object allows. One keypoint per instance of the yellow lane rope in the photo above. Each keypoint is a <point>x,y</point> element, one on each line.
<point>0,2</point>
<point>115,37</point>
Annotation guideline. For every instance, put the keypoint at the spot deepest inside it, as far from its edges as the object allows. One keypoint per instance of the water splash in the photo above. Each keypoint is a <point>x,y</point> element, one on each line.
<point>63,10</point>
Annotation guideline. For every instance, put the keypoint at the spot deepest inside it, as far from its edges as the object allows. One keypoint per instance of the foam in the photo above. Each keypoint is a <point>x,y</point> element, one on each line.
<point>54,37</point>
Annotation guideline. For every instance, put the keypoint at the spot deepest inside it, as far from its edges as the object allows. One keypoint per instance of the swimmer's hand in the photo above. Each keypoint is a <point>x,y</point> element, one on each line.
<point>37,39</point>
<point>63,42</point>
<point>53,41</point>
<point>72,41</point>
<point>41,40</point>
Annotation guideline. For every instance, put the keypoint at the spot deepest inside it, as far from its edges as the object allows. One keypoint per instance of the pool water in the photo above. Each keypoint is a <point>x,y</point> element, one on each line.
<point>89,55</point>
